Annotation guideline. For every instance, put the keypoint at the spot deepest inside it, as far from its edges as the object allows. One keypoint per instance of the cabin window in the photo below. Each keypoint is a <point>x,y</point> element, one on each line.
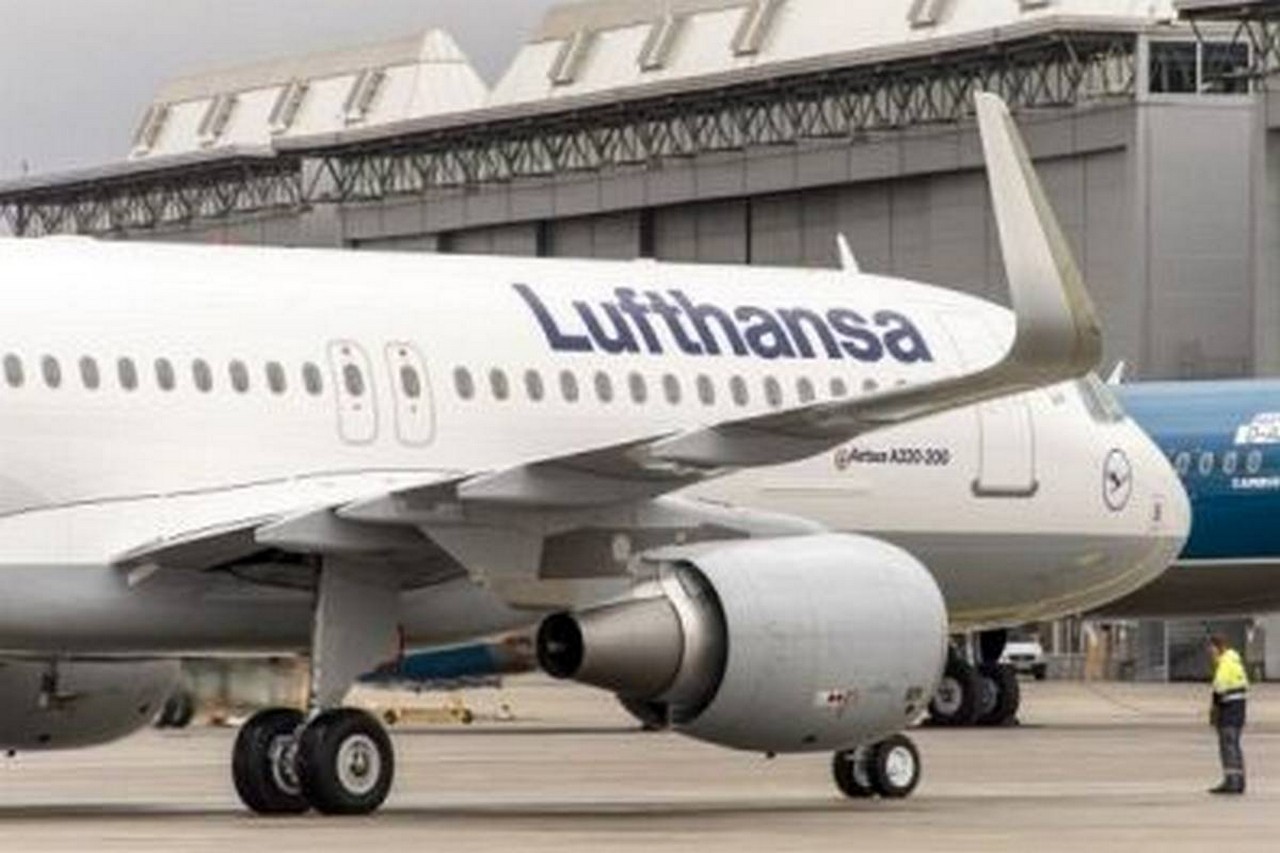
<point>1182,463</point>
<point>805,390</point>
<point>312,379</point>
<point>52,371</point>
<point>165,377</point>
<point>772,392</point>
<point>1230,462</point>
<point>410,382</point>
<point>639,389</point>
<point>13,373</point>
<point>738,391</point>
<point>671,389</point>
<point>870,386</point>
<point>239,375</point>
<point>275,378</point>
<point>499,385</point>
<point>90,376</point>
<point>533,386</point>
<point>127,373</point>
<point>839,388</point>
<point>1253,462</point>
<point>353,379</point>
<point>604,387</point>
<point>569,386</point>
<point>1206,463</point>
<point>202,375</point>
<point>706,390</point>
<point>464,384</point>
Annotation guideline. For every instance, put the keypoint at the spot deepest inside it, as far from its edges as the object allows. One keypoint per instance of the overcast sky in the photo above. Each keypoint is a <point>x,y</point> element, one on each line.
<point>76,75</point>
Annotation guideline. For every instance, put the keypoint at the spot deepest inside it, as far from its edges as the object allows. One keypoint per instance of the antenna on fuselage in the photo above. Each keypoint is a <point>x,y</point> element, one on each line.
<point>848,261</point>
<point>1117,373</point>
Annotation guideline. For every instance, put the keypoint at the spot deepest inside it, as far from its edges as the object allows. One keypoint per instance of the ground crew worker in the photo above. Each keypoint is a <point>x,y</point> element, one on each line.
<point>1230,690</point>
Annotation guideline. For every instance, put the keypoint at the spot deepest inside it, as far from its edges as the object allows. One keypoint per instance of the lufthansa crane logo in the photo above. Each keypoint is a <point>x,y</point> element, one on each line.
<point>1117,480</point>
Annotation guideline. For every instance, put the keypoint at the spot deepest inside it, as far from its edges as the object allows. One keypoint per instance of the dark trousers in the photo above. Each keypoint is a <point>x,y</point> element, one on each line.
<point>1230,752</point>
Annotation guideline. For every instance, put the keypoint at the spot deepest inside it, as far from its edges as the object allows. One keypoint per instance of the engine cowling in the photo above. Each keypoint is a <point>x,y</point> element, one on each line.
<point>785,645</point>
<point>79,703</point>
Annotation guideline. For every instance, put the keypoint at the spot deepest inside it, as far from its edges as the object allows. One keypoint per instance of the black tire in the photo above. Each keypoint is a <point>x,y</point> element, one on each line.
<point>652,716</point>
<point>181,709</point>
<point>345,763</point>
<point>1001,682</point>
<point>955,702</point>
<point>894,767</point>
<point>258,766</point>
<point>852,772</point>
<point>1040,671</point>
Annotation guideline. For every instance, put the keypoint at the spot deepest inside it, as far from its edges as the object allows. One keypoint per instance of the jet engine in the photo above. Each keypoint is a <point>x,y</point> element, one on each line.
<point>783,645</point>
<point>72,703</point>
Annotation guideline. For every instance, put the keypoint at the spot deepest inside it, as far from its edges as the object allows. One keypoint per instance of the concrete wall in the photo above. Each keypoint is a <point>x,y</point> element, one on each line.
<point>1197,179</point>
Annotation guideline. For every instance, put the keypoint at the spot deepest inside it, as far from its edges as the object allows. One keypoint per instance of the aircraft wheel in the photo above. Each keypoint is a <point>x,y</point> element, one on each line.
<point>894,767</point>
<point>852,772</point>
<point>345,762</point>
<point>262,763</point>
<point>955,702</point>
<point>1001,694</point>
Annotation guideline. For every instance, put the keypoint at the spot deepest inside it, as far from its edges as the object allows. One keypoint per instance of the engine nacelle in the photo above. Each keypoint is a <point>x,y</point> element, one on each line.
<point>784,645</point>
<point>74,703</point>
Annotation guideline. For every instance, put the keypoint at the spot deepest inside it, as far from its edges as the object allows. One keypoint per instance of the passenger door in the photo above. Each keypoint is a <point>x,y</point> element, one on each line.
<point>353,392</point>
<point>411,394</point>
<point>1006,430</point>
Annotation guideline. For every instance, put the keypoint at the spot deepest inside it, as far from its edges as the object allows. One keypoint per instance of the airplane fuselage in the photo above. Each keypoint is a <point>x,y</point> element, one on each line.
<point>152,391</point>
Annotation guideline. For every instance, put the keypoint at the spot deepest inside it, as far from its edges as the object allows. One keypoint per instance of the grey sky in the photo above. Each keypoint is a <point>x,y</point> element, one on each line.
<point>75,75</point>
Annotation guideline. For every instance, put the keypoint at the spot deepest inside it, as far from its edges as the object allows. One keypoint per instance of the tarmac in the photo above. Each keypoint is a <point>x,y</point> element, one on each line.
<point>1093,767</point>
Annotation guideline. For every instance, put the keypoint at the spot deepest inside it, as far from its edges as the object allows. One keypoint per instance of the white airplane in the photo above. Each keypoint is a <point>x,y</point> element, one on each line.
<point>218,450</point>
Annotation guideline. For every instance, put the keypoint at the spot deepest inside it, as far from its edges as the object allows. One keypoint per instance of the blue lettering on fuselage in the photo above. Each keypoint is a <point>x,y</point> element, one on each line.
<point>652,322</point>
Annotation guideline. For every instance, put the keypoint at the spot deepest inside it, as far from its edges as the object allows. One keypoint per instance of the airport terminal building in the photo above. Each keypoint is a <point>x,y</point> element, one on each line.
<point>755,131</point>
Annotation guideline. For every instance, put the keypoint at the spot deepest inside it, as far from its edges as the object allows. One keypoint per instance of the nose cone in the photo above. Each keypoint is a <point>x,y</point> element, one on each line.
<point>1160,492</point>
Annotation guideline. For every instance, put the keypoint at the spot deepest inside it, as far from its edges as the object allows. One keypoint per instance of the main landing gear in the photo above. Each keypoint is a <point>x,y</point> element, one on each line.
<point>986,694</point>
<point>889,769</point>
<point>332,759</point>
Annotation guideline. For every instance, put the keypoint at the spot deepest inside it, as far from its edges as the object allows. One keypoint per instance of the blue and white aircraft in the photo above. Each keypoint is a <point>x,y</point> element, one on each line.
<point>1223,439</point>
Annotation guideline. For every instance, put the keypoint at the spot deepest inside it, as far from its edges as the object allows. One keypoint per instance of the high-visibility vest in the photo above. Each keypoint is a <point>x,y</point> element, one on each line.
<point>1230,683</point>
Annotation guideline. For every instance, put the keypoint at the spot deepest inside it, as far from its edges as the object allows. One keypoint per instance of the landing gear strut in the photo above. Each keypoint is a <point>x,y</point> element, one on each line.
<point>890,769</point>
<point>333,759</point>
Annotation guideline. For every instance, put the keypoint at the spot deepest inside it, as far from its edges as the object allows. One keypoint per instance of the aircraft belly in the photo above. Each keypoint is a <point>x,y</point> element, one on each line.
<point>992,579</point>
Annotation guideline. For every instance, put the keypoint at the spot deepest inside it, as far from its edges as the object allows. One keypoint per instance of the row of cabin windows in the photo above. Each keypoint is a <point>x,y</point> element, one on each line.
<point>1207,462</point>
<point>129,375</point>
<point>637,387</point>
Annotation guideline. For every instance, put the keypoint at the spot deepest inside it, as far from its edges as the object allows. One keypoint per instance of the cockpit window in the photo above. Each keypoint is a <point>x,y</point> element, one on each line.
<point>1102,404</point>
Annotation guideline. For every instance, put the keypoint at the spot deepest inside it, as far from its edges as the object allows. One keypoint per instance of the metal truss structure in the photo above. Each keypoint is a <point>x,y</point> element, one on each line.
<point>150,200</point>
<point>1060,70</point>
<point>1257,25</point>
